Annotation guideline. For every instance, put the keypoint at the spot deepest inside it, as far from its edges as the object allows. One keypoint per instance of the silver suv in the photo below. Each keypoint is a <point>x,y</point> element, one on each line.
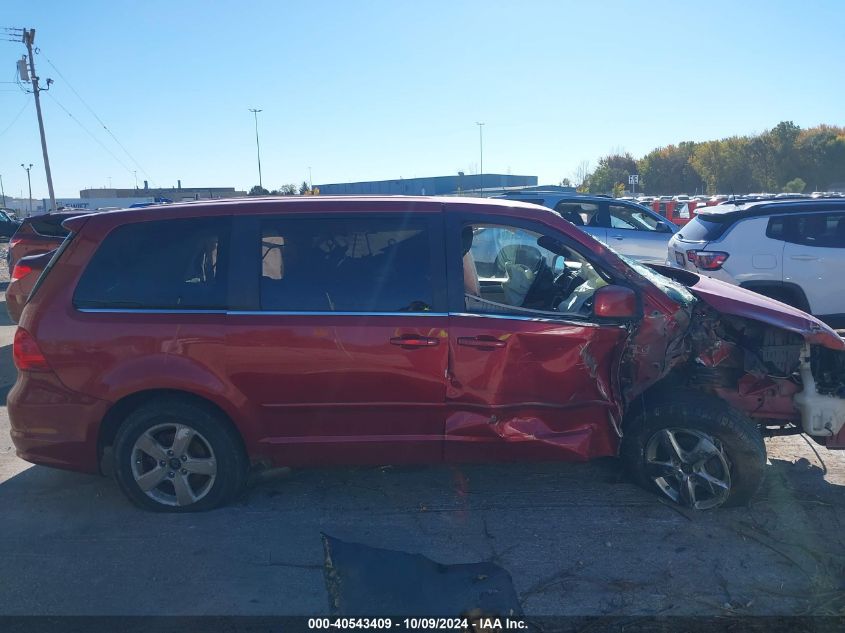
<point>627,227</point>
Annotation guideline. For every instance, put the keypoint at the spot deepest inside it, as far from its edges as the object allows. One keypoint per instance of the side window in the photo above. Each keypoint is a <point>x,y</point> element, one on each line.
<point>579,213</point>
<point>824,230</point>
<point>169,264</point>
<point>776,228</point>
<point>630,218</point>
<point>511,270</point>
<point>351,265</point>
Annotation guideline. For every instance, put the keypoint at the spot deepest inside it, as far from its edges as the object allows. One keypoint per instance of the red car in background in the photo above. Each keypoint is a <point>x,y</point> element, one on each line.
<point>23,278</point>
<point>38,234</point>
<point>175,347</point>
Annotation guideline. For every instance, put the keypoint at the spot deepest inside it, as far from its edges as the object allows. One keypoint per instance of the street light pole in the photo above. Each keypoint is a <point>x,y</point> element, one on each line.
<point>257,145</point>
<point>481,152</point>
<point>3,191</point>
<point>29,182</point>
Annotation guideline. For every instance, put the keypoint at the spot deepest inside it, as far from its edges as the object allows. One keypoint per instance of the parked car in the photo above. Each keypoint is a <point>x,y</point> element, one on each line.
<point>789,250</point>
<point>176,346</point>
<point>38,234</point>
<point>8,223</point>
<point>630,228</point>
<point>23,278</point>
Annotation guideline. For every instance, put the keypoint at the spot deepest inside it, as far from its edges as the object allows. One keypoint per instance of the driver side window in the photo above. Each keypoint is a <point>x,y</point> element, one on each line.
<point>511,270</point>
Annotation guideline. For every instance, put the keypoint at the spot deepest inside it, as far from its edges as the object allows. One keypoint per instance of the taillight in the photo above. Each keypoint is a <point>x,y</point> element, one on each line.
<point>707,260</point>
<point>14,242</point>
<point>26,353</point>
<point>20,271</point>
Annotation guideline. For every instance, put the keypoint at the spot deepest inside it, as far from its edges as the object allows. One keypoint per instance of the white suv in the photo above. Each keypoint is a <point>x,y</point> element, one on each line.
<point>791,250</point>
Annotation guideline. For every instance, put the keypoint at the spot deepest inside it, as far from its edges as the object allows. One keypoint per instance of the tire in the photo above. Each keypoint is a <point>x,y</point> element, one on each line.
<point>688,436</point>
<point>206,468</point>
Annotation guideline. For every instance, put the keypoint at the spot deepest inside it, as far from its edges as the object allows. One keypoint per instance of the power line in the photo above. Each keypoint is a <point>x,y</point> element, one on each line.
<point>17,116</point>
<point>87,131</point>
<point>99,120</point>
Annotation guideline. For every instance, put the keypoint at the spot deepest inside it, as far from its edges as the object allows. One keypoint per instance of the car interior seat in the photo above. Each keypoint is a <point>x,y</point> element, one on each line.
<point>573,216</point>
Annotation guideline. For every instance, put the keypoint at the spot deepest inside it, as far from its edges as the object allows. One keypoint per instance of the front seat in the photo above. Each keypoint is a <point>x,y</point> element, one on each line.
<point>574,217</point>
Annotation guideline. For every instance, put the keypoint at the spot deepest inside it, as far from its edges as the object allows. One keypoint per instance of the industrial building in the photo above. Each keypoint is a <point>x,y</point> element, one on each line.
<point>174,194</point>
<point>460,183</point>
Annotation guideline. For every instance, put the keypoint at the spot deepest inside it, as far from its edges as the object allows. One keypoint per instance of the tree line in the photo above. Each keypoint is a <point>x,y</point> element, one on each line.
<point>783,159</point>
<point>285,190</point>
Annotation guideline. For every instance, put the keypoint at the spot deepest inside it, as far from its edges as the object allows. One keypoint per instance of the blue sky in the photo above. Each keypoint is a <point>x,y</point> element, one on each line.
<point>376,90</point>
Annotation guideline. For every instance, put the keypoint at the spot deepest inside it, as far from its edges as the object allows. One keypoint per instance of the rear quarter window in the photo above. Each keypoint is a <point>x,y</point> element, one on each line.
<point>50,226</point>
<point>167,264</point>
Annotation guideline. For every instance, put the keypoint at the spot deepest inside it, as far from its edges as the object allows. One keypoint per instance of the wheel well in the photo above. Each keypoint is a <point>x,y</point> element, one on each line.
<point>122,408</point>
<point>792,292</point>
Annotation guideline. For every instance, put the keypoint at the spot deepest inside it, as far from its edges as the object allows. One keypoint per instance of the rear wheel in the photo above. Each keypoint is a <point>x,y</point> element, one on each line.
<point>171,455</point>
<point>695,450</point>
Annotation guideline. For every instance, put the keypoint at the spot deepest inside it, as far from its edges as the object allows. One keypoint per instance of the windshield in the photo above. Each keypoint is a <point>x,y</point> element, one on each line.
<point>675,291</point>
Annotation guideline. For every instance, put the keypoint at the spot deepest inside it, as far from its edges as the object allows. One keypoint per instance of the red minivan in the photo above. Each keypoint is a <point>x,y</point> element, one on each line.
<point>177,347</point>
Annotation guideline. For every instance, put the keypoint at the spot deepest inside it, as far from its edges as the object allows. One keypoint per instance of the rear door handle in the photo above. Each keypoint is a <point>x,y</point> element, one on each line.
<point>804,258</point>
<point>484,343</point>
<point>617,237</point>
<point>409,342</point>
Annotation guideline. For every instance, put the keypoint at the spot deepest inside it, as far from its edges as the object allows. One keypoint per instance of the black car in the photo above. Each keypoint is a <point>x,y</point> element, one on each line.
<point>8,223</point>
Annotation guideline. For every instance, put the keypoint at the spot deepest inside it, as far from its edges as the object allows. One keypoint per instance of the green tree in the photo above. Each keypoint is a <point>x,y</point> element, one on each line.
<point>304,188</point>
<point>821,152</point>
<point>724,165</point>
<point>668,170</point>
<point>612,170</point>
<point>288,190</point>
<point>258,190</point>
<point>796,185</point>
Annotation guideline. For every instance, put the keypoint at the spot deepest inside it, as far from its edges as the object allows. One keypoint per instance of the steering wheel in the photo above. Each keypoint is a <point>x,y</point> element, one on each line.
<point>565,283</point>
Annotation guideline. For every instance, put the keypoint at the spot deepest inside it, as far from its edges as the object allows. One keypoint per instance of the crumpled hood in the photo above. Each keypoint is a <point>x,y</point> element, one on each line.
<point>729,299</point>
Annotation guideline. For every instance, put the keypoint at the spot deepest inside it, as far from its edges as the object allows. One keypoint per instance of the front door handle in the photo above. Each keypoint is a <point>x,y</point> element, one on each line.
<point>617,237</point>
<point>804,258</point>
<point>411,341</point>
<point>484,343</point>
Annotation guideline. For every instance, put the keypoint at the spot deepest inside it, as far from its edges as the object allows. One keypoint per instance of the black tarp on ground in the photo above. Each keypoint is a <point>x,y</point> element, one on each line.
<point>369,581</point>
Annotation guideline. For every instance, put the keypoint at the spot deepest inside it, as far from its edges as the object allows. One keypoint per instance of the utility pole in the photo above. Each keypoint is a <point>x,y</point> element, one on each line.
<point>28,40</point>
<point>257,146</point>
<point>3,191</point>
<point>481,151</point>
<point>29,182</point>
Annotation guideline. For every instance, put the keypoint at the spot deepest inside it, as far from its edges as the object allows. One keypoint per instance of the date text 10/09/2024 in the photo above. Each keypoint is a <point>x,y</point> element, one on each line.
<point>454,624</point>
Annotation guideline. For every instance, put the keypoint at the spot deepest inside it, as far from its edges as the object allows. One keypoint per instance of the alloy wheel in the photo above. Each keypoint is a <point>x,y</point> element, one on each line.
<point>690,467</point>
<point>173,464</point>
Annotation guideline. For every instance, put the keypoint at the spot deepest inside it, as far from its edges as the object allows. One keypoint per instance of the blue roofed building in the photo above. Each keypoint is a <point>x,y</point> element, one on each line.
<point>433,186</point>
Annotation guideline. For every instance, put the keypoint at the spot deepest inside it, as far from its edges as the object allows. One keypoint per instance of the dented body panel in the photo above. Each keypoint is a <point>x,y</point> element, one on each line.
<point>540,390</point>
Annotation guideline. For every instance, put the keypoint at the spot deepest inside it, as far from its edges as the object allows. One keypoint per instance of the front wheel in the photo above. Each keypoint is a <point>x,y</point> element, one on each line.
<point>694,449</point>
<point>172,455</point>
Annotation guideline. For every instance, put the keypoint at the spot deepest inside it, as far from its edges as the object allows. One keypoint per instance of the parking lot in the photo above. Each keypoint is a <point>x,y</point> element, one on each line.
<point>573,538</point>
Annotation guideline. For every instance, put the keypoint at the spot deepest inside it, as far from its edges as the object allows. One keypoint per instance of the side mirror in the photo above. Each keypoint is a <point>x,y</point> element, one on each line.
<point>616,302</point>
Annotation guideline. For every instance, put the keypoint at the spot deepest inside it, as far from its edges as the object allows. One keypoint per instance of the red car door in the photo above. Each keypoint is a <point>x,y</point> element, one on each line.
<point>344,359</point>
<point>530,377</point>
